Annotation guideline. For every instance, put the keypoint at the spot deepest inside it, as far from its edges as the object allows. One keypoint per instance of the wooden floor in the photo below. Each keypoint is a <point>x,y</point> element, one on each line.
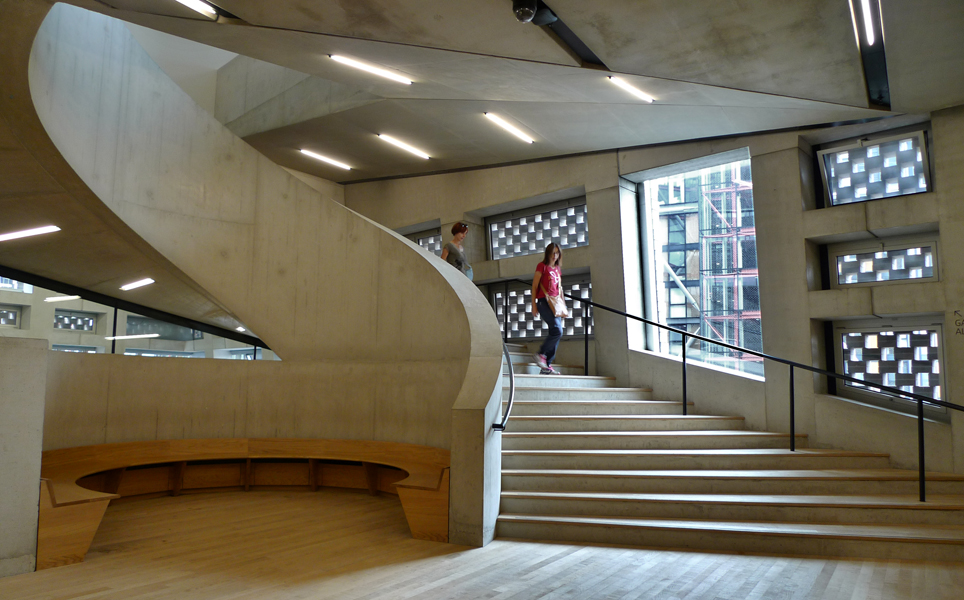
<point>348,545</point>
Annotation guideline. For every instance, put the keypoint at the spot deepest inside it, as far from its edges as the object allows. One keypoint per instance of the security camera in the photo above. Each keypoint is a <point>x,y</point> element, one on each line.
<point>524,9</point>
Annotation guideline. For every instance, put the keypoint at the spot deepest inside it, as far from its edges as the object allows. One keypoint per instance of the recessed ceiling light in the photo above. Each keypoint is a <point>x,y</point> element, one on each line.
<point>632,90</point>
<point>61,298</point>
<point>133,337</point>
<point>241,329</point>
<point>868,22</point>
<point>370,69</point>
<point>509,127</point>
<point>403,145</point>
<point>202,7</point>
<point>137,284</point>
<point>28,232</point>
<point>325,159</point>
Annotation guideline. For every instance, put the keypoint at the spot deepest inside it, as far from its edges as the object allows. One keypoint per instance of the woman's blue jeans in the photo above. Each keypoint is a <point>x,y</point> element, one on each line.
<point>549,346</point>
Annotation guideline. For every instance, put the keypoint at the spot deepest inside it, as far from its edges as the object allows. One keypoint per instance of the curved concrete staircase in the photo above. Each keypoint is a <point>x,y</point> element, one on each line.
<point>586,461</point>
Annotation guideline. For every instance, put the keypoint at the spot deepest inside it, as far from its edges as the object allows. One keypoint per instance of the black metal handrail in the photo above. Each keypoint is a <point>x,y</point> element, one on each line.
<point>500,426</point>
<point>793,365</point>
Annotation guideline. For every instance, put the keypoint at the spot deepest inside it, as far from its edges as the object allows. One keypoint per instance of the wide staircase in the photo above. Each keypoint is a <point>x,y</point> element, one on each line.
<point>586,461</point>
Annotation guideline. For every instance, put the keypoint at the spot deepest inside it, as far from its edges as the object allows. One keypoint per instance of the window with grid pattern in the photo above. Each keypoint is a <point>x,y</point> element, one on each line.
<point>522,323</point>
<point>530,234</point>
<point>886,265</point>
<point>432,243</point>
<point>876,169</point>
<point>908,359</point>
<point>74,320</point>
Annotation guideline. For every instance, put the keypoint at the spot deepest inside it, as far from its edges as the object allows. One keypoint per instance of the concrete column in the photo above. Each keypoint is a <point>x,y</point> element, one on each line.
<point>23,377</point>
<point>949,180</point>
<point>779,197</point>
<point>608,282</point>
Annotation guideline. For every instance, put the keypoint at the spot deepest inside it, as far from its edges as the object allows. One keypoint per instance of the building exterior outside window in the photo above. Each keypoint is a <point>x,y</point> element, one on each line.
<point>705,262</point>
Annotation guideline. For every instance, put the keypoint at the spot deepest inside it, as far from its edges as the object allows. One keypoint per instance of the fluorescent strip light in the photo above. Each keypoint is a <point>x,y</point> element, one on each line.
<point>403,146</point>
<point>202,7</point>
<point>371,69</point>
<point>133,337</point>
<point>868,22</point>
<point>137,284</point>
<point>241,329</point>
<point>61,298</point>
<point>28,232</point>
<point>639,94</point>
<point>509,127</point>
<point>325,159</point>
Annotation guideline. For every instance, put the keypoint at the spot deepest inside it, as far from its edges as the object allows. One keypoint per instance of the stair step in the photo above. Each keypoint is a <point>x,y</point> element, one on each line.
<point>797,481</point>
<point>531,368</point>
<point>594,407</point>
<point>563,381</point>
<point>525,392</point>
<point>771,458</point>
<point>906,509</point>
<point>942,543</point>
<point>583,423</point>
<point>645,440</point>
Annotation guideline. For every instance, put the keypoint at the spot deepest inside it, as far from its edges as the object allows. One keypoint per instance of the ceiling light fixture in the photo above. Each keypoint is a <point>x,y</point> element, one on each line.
<point>632,90</point>
<point>202,7</point>
<point>240,329</point>
<point>403,146</point>
<point>133,337</point>
<point>325,159</point>
<point>137,284</point>
<point>509,127</point>
<point>28,232</point>
<point>61,298</point>
<point>868,22</point>
<point>370,68</point>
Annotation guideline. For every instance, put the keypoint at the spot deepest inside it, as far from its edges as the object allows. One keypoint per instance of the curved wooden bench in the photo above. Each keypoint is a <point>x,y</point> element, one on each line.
<point>70,513</point>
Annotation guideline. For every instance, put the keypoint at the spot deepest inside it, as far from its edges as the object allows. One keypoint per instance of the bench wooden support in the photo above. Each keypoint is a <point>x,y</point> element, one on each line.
<point>70,514</point>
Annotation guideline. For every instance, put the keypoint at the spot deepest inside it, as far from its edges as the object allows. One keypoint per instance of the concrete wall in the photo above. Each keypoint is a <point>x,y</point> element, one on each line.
<point>393,338</point>
<point>23,371</point>
<point>790,231</point>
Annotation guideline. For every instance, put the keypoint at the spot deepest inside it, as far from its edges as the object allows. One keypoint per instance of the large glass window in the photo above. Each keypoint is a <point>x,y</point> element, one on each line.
<point>12,285</point>
<point>699,217</point>
<point>874,169</point>
<point>529,232</point>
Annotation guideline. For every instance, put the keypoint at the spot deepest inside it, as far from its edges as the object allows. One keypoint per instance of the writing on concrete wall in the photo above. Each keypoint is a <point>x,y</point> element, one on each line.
<point>958,323</point>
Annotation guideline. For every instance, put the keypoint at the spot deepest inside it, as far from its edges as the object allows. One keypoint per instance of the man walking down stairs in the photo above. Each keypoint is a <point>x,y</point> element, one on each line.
<point>586,461</point>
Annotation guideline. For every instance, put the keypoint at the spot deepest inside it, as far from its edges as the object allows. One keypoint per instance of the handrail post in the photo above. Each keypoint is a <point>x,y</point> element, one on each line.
<point>585,338</point>
<point>684,374</point>
<point>793,429</point>
<point>920,446</point>
<point>505,315</point>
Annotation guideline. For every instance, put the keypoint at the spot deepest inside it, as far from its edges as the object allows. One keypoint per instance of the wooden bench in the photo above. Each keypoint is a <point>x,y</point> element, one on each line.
<point>79,483</point>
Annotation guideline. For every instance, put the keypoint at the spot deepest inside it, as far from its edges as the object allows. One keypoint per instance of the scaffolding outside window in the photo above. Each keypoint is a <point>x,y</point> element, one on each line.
<point>875,169</point>
<point>705,263</point>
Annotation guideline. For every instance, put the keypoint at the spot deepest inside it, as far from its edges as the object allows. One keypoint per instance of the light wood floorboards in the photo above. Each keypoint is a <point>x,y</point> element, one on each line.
<point>348,545</point>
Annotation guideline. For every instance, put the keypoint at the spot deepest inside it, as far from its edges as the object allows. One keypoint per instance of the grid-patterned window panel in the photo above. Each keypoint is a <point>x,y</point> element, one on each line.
<point>905,359</point>
<point>886,265</point>
<point>162,353</point>
<point>522,324</point>
<point>74,320</point>
<point>432,243</point>
<point>876,170</point>
<point>567,227</point>
<point>74,348</point>
<point>9,316</point>
<point>12,285</point>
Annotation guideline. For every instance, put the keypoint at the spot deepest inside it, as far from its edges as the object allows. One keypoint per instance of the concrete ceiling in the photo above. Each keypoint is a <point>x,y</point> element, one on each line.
<point>716,67</point>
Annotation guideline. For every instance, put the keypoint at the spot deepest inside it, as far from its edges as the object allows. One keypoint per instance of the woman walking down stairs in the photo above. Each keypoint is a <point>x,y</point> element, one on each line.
<point>586,461</point>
